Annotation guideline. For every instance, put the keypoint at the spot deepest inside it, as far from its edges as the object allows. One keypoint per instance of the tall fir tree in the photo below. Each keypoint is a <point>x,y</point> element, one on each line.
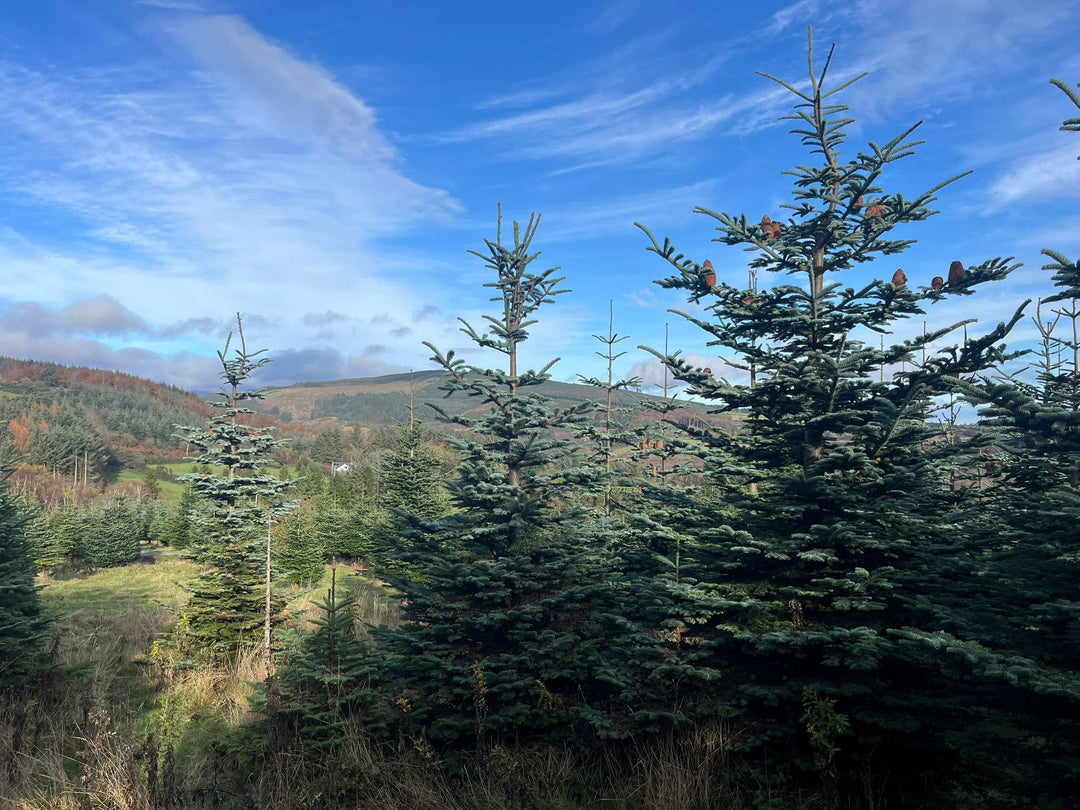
<point>512,631</point>
<point>829,587</point>
<point>411,474</point>
<point>1030,526</point>
<point>231,601</point>
<point>23,625</point>
<point>301,558</point>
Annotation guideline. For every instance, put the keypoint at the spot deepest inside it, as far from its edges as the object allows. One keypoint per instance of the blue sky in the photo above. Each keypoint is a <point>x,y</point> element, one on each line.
<point>325,168</point>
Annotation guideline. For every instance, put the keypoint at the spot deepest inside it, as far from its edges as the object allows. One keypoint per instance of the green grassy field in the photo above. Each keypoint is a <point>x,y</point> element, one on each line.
<point>170,490</point>
<point>153,582</point>
<point>163,582</point>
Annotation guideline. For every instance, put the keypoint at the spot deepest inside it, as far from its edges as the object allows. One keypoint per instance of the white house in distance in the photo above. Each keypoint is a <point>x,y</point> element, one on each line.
<point>340,467</point>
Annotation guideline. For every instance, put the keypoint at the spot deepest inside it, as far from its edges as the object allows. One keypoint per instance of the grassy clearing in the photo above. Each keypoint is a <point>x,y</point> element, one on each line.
<point>162,583</point>
<point>86,742</point>
<point>171,491</point>
<point>153,583</point>
<point>167,490</point>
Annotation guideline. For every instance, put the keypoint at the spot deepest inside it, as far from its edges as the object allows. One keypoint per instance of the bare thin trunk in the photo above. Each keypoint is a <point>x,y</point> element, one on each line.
<point>267,636</point>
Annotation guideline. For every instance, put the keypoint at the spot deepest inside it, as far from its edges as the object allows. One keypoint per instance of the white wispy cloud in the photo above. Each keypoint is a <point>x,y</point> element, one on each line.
<point>639,99</point>
<point>931,51</point>
<point>614,15</point>
<point>579,115</point>
<point>603,129</point>
<point>243,172</point>
<point>1049,175</point>
<point>796,13</point>
<point>594,220</point>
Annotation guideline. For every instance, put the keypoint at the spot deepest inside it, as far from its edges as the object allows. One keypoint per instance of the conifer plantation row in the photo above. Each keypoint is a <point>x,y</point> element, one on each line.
<point>848,599</point>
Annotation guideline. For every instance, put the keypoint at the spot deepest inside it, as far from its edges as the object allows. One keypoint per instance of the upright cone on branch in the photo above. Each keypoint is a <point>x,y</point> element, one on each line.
<point>772,229</point>
<point>899,278</point>
<point>956,274</point>
<point>875,210</point>
<point>937,283</point>
<point>708,274</point>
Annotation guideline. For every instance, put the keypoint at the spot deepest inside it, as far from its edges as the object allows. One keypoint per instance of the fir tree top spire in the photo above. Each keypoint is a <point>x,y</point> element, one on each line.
<point>521,291</point>
<point>517,419</point>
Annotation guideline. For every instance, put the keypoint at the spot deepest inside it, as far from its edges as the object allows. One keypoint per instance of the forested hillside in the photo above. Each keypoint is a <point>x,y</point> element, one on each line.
<point>815,591</point>
<point>53,414</point>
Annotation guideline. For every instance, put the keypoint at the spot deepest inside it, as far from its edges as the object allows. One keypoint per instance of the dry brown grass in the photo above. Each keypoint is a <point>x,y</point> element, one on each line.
<point>70,744</point>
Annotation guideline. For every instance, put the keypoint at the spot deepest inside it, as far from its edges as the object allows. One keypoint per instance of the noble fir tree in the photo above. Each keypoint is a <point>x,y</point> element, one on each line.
<point>325,684</point>
<point>63,535</point>
<point>410,474</point>
<point>177,530</point>
<point>818,603</point>
<point>512,628</point>
<point>1030,434</point>
<point>300,559</point>
<point>114,537</point>
<point>231,603</point>
<point>23,625</point>
<point>411,483</point>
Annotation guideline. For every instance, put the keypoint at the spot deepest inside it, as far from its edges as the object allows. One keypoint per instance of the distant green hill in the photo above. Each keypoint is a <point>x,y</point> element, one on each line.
<point>66,418</point>
<point>377,401</point>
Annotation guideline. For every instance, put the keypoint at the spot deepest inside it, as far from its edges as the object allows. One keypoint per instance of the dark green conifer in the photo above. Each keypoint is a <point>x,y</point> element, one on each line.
<point>228,606</point>
<point>23,626</point>
<point>1029,526</point>
<point>344,529</point>
<point>68,536</point>
<point>329,447</point>
<point>302,557</point>
<point>411,475</point>
<point>513,630</point>
<point>114,539</point>
<point>842,542</point>
<point>177,531</point>
<point>327,681</point>
<point>47,552</point>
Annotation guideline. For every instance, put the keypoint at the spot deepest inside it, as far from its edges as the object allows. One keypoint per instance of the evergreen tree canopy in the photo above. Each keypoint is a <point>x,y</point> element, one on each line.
<point>1029,528</point>
<point>115,535</point>
<point>22,625</point>
<point>411,475</point>
<point>513,624</point>
<point>831,591</point>
<point>227,606</point>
